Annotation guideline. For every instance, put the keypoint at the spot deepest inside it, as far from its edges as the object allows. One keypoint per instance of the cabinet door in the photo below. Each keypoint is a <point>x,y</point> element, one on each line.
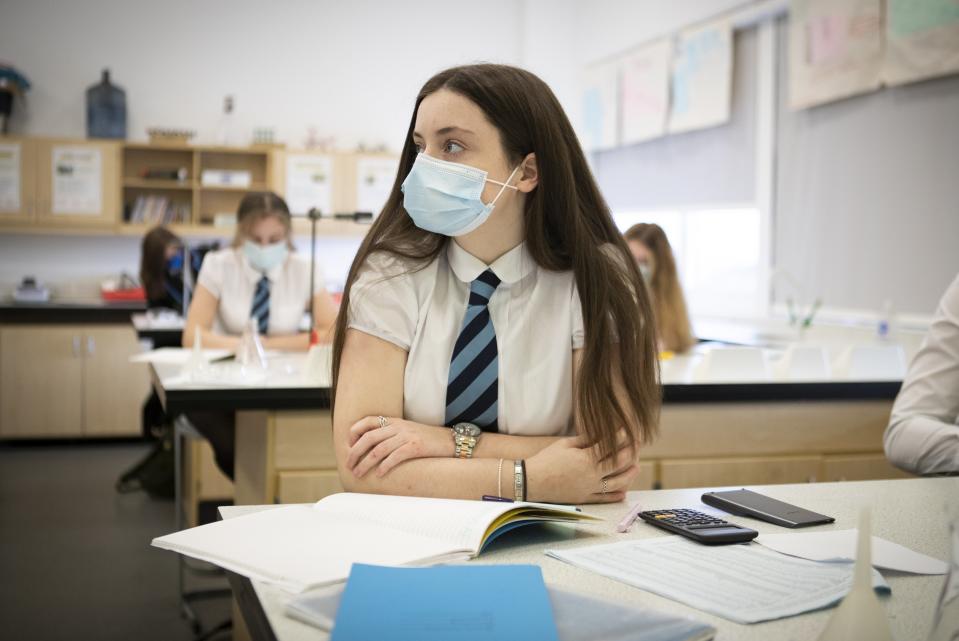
<point>17,180</point>
<point>114,389</point>
<point>78,183</point>
<point>41,371</point>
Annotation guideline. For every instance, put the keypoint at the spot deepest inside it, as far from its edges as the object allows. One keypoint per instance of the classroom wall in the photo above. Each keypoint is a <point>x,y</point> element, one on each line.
<point>350,69</point>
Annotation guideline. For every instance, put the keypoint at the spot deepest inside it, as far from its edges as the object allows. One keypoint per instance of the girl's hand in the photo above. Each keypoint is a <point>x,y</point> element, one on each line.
<point>386,447</point>
<point>567,472</point>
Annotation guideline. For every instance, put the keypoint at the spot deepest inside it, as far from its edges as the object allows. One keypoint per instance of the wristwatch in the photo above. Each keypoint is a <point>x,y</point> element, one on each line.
<point>465,437</point>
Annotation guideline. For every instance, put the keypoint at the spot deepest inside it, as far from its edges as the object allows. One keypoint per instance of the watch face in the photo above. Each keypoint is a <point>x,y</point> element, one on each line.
<point>467,429</point>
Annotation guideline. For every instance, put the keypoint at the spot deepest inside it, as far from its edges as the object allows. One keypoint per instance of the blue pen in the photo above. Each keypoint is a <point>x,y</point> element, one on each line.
<point>501,499</point>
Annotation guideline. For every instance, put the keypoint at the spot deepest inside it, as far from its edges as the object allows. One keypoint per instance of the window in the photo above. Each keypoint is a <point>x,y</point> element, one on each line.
<point>718,254</point>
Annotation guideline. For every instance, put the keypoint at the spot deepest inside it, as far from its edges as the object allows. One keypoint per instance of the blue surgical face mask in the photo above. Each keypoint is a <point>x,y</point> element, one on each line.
<point>444,197</point>
<point>265,257</point>
<point>175,262</point>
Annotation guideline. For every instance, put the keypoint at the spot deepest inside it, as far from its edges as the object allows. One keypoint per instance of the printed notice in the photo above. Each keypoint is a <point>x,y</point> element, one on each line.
<point>374,182</point>
<point>10,177</point>
<point>702,78</point>
<point>309,183</point>
<point>600,107</point>
<point>645,91</point>
<point>922,40</point>
<point>77,181</point>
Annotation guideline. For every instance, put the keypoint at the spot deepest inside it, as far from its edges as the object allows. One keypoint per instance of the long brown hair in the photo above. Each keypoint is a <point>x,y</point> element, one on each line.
<point>153,261</point>
<point>672,317</point>
<point>256,206</point>
<point>567,227</point>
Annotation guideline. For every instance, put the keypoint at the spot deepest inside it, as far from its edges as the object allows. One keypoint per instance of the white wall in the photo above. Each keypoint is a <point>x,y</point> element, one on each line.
<point>350,69</point>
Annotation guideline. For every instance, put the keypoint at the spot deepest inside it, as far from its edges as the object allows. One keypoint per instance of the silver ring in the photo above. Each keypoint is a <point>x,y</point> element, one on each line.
<point>605,486</point>
<point>383,421</point>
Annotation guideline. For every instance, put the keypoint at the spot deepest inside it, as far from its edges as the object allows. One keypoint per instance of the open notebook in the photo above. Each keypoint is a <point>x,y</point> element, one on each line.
<point>303,546</point>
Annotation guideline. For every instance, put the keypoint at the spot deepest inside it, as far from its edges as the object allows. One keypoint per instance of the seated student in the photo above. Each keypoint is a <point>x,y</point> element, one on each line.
<point>650,248</point>
<point>494,296</point>
<point>923,433</point>
<point>257,278</point>
<point>161,269</point>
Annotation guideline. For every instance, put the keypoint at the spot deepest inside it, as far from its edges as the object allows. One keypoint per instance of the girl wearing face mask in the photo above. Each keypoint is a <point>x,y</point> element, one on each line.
<point>496,336</point>
<point>258,279</point>
<point>653,254</point>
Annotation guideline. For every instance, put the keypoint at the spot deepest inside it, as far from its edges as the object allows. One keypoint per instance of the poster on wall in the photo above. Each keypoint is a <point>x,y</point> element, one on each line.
<point>374,182</point>
<point>922,40</point>
<point>77,180</point>
<point>309,183</point>
<point>600,107</point>
<point>701,78</point>
<point>10,177</point>
<point>835,50</point>
<point>644,91</point>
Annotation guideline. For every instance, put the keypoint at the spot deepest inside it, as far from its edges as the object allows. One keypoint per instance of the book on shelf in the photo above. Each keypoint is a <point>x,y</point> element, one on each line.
<point>158,210</point>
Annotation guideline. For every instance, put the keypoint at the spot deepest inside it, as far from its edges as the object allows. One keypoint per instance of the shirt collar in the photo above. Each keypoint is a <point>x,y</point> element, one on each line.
<point>510,268</point>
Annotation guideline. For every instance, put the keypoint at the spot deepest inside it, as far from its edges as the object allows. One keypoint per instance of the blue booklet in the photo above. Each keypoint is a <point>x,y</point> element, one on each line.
<point>445,603</point>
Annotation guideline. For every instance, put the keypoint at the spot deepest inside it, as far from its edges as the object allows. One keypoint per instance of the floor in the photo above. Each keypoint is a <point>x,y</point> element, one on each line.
<point>75,556</point>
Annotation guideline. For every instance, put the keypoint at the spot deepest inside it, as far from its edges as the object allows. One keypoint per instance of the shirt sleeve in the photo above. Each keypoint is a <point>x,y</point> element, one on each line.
<point>211,274</point>
<point>383,301</point>
<point>923,436</point>
<point>576,310</point>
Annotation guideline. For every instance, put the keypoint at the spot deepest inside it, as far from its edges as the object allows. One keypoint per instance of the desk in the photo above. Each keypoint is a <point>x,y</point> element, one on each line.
<point>911,512</point>
<point>284,433</point>
<point>163,330</point>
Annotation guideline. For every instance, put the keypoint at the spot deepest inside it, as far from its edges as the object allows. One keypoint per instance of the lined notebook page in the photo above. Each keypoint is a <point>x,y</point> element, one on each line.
<point>460,523</point>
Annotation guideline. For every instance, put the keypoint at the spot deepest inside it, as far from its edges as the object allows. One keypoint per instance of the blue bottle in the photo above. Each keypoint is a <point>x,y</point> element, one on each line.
<point>106,110</point>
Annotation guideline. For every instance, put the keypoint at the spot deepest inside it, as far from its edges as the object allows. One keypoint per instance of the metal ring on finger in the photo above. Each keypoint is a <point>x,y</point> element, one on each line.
<point>605,486</point>
<point>383,421</point>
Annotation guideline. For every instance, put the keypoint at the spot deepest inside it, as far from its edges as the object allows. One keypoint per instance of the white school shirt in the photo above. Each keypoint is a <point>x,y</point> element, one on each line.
<point>923,432</point>
<point>536,315</point>
<point>232,280</point>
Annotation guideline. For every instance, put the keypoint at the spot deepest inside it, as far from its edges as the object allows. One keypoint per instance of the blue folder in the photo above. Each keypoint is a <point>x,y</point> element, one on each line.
<point>445,603</point>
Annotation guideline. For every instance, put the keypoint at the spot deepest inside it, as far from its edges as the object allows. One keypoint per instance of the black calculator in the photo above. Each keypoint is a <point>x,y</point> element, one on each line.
<point>700,527</point>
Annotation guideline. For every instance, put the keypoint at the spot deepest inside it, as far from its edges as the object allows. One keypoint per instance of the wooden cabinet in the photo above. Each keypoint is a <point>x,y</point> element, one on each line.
<point>113,388</point>
<point>78,182</point>
<point>69,381</point>
<point>41,381</point>
<point>18,164</point>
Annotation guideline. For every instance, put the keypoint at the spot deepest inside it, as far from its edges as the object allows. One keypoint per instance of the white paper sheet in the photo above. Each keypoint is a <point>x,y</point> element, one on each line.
<point>702,78</point>
<point>840,545</point>
<point>177,355</point>
<point>835,50</point>
<point>10,177</point>
<point>374,182</point>
<point>743,583</point>
<point>600,127</point>
<point>309,183</point>
<point>645,91</point>
<point>77,180</point>
<point>922,40</point>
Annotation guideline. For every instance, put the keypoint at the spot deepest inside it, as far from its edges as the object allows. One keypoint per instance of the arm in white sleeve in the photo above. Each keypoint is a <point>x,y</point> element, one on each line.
<point>923,434</point>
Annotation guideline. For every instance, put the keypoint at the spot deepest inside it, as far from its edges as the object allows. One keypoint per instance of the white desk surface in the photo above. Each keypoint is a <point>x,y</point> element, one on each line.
<point>912,512</point>
<point>285,370</point>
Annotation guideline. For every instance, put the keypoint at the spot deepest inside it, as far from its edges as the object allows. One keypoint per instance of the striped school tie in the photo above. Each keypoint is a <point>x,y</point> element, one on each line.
<point>261,305</point>
<point>471,394</point>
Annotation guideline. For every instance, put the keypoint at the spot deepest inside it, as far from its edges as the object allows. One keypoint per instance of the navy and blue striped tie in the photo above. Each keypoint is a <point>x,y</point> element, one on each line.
<point>261,305</point>
<point>472,393</point>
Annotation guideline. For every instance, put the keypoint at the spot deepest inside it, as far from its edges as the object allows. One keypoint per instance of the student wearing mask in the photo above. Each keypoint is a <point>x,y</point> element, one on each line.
<point>496,336</point>
<point>650,248</point>
<point>923,432</point>
<point>257,279</point>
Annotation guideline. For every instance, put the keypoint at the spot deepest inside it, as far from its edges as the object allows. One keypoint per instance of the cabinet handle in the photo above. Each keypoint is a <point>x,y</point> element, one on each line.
<point>91,346</point>
<point>76,347</point>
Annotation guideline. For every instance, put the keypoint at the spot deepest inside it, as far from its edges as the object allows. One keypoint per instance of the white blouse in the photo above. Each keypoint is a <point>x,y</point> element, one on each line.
<point>228,275</point>
<point>536,315</point>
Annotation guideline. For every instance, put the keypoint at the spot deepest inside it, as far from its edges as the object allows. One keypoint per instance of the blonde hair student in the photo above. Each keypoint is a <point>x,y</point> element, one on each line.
<point>495,336</point>
<point>654,255</point>
<point>259,278</point>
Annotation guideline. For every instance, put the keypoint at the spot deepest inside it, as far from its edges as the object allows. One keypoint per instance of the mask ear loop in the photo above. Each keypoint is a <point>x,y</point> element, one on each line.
<point>504,185</point>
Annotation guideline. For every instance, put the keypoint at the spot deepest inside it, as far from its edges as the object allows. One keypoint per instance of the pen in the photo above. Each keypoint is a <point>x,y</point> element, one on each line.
<point>551,506</point>
<point>627,521</point>
<point>501,499</point>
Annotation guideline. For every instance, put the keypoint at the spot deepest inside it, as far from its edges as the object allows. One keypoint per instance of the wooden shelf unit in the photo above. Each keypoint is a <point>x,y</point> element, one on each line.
<point>202,202</point>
